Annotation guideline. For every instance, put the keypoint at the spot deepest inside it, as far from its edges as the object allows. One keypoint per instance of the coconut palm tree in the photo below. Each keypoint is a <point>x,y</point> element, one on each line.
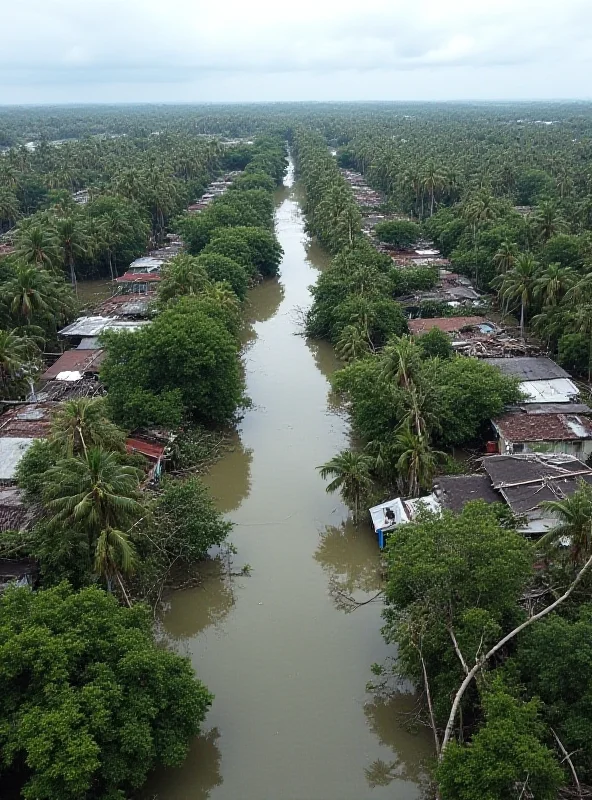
<point>9,206</point>
<point>352,343</point>
<point>518,284</point>
<point>505,257</point>
<point>18,359</point>
<point>38,245</point>
<point>182,275</point>
<point>401,360</point>
<point>115,555</point>
<point>575,523</point>
<point>93,492</point>
<point>553,283</point>
<point>83,423</point>
<point>351,477</point>
<point>579,299</point>
<point>417,462</point>
<point>434,180</point>
<point>549,221</point>
<point>74,242</point>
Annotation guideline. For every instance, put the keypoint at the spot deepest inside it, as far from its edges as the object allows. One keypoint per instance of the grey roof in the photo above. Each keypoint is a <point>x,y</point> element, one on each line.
<point>453,491</point>
<point>94,326</point>
<point>528,369</point>
<point>11,452</point>
<point>89,343</point>
<point>14,514</point>
<point>528,480</point>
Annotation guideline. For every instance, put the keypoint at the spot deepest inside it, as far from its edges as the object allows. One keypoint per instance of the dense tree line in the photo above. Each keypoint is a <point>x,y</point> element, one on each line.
<point>109,711</point>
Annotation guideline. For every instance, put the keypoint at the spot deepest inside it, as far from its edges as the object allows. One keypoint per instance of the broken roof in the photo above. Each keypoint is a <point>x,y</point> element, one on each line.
<point>75,361</point>
<point>529,369</point>
<point>445,324</point>
<point>516,426</point>
<point>525,481</point>
<point>27,421</point>
<point>558,390</point>
<point>453,491</point>
<point>14,514</point>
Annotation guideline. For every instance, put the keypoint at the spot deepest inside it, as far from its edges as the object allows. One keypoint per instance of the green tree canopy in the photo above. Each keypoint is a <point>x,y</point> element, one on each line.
<point>90,704</point>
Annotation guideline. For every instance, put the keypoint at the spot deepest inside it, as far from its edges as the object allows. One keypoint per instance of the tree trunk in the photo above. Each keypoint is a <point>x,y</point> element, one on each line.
<point>522,319</point>
<point>479,664</point>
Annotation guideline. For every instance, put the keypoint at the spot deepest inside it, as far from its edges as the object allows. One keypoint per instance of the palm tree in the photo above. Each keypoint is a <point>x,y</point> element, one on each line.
<point>352,344</point>
<point>28,291</point>
<point>74,242</point>
<point>579,297</point>
<point>433,181</point>
<point>505,257</point>
<point>18,359</point>
<point>115,555</point>
<point>32,292</point>
<point>549,221</point>
<point>352,479</point>
<point>182,275</point>
<point>82,423</point>
<point>92,491</point>
<point>575,523</point>
<point>480,209</point>
<point>553,283</point>
<point>518,284</point>
<point>401,360</point>
<point>417,462</point>
<point>9,206</point>
<point>38,245</point>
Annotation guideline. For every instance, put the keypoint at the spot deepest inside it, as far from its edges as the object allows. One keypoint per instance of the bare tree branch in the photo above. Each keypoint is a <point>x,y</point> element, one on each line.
<point>567,758</point>
<point>474,670</point>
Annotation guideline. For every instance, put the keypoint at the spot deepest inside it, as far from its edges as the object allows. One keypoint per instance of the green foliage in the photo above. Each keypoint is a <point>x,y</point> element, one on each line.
<point>531,185</point>
<point>222,269</point>
<point>186,357</point>
<point>413,279</point>
<point>186,520</point>
<point>565,250</point>
<point>250,246</point>
<point>40,456</point>
<point>554,662</point>
<point>90,704</point>
<point>505,756</point>
<point>435,344</point>
<point>470,393</point>
<point>573,353</point>
<point>461,572</point>
<point>399,233</point>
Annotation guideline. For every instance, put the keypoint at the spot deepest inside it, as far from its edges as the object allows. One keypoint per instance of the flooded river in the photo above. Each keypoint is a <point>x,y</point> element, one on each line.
<point>291,719</point>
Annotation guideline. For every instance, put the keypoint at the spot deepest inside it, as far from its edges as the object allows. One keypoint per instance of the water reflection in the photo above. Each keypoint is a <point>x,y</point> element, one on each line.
<point>229,479</point>
<point>349,556</point>
<point>316,256</point>
<point>191,611</point>
<point>190,782</point>
<point>391,719</point>
<point>264,300</point>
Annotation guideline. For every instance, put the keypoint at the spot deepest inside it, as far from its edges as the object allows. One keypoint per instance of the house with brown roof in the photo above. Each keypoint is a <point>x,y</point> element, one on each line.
<point>521,432</point>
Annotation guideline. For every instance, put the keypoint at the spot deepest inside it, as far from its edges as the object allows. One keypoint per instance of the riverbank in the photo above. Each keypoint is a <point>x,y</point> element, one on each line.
<point>288,667</point>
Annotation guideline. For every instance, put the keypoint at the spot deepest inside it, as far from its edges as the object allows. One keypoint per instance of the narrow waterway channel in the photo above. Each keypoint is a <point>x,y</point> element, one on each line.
<point>291,719</point>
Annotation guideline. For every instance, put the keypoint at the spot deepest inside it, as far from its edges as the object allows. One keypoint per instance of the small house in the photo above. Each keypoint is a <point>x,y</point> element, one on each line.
<point>521,432</point>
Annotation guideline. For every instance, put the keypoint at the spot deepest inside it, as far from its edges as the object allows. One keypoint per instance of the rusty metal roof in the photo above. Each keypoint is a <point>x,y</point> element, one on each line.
<point>75,361</point>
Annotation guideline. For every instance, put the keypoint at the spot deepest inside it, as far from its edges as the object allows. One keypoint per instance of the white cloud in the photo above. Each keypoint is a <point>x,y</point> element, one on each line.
<point>56,48</point>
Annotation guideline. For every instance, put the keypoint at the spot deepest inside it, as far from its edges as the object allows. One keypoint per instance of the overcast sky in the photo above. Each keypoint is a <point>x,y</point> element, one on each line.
<point>60,51</point>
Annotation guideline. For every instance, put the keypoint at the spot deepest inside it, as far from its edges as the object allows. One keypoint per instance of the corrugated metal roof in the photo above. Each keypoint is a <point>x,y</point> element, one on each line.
<point>94,326</point>
<point>11,452</point>
<point>556,390</point>
<point>75,361</point>
<point>148,449</point>
<point>29,421</point>
<point>529,369</point>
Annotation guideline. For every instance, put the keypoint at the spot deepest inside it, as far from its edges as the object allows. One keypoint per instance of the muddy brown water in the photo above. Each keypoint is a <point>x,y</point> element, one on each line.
<point>291,719</point>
